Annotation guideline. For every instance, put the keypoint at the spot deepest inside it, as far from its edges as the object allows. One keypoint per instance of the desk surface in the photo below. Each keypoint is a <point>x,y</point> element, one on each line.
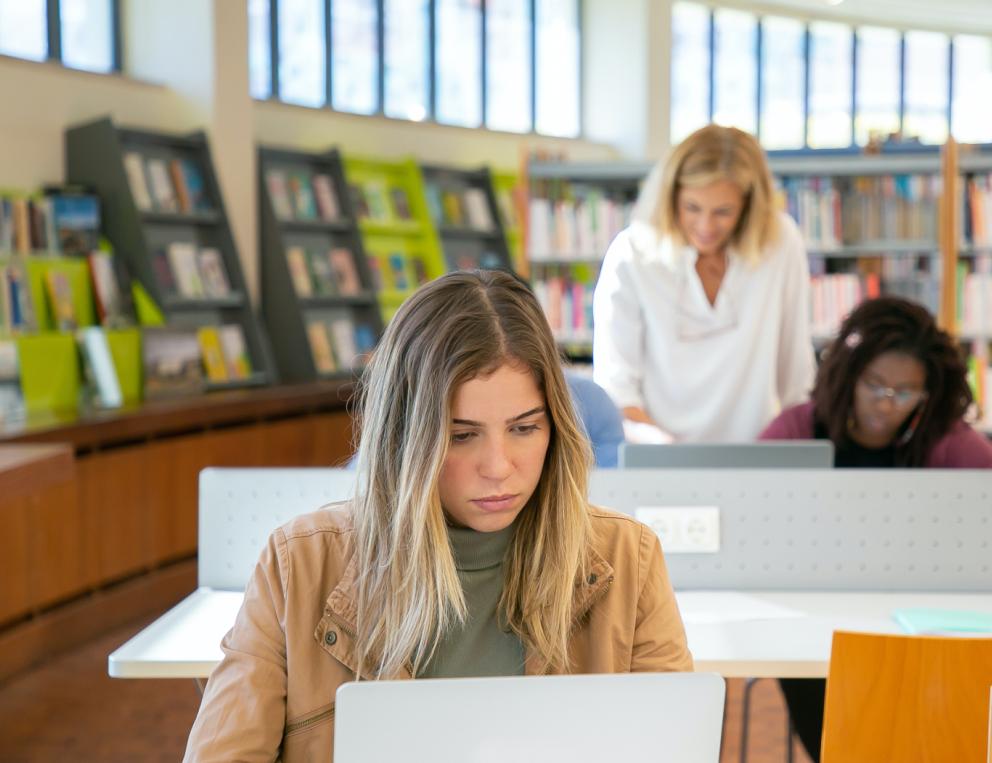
<point>791,638</point>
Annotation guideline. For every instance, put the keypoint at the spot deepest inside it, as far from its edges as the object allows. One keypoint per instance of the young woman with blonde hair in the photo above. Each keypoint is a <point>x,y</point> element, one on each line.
<point>469,549</point>
<point>701,310</point>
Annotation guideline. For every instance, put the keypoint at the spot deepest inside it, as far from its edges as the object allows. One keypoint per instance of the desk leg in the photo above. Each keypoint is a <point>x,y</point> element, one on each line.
<point>199,685</point>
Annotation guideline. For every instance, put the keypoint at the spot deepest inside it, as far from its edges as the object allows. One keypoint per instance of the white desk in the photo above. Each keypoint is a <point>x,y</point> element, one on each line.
<point>185,642</point>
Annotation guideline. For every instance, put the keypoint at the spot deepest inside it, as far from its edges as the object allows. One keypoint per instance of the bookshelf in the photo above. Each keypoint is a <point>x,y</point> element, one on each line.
<point>317,295</point>
<point>401,244</point>
<point>463,207</point>
<point>511,198</point>
<point>164,213</point>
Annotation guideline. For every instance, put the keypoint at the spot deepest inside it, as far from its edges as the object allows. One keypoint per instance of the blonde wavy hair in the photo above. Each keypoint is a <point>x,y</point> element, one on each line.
<point>456,328</point>
<point>711,154</point>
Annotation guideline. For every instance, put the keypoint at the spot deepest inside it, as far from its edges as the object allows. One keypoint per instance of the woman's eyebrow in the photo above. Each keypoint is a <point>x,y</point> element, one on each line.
<point>524,415</point>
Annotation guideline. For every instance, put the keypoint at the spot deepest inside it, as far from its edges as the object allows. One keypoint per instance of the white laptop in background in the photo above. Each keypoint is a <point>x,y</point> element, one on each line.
<point>636,717</point>
<point>767,454</point>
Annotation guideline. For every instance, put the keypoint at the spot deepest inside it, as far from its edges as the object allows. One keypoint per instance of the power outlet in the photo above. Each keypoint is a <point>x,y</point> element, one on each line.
<point>683,529</point>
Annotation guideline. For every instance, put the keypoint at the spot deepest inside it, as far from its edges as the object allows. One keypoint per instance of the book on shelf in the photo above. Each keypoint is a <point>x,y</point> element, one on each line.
<point>213,275</point>
<point>11,398</point>
<point>397,272</point>
<point>212,354</point>
<point>320,347</point>
<point>364,341</point>
<point>134,168</point>
<point>183,261</point>
<point>359,201</point>
<point>476,206</point>
<point>301,194</point>
<point>419,269</point>
<point>344,272</point>
<point>75,222</point>
<point>172,362</point>
<point>19,306</point>
<point>977,217</point>
<point>322,273</point>
<point>164,276</point>
<point>343,342</point>
<point>107,297</point>
<point>98,365</point>
<point>377,200</point>
<point>187,180</point>
<point>299,271</point>
<point>453,213</point>
<point>434,205</point>
<point>567,304</point>
<point>326,198</point>
<point>375,273</point>
<point>59,292</point>
<point>162,191</point>
<point>580,227</point>
<point>234,347</point>
<point>401,203</point>
<point>507,209</point>
<point>275,181</point>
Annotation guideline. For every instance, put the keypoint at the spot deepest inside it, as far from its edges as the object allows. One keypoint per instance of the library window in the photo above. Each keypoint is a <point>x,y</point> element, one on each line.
<point>511,65</point>
<point>970,121</point>
<point>877,84</point>
<point>830,80</point>
<point>926,86</point>
<point>690,90</point>
<point>735,69</point>
<point>783,82</point>
<point>86,36</point>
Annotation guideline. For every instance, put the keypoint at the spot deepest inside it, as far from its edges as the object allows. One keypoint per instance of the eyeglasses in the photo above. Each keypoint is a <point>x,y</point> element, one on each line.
<point>901,398</point>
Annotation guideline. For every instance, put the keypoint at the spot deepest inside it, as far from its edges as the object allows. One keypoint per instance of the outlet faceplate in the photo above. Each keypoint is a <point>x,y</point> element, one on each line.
<point>683,529</point>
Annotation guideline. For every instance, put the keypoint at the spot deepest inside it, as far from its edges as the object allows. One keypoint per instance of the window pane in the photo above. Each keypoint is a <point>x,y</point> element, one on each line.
<point>783,76</point>
<point>971,120</point>
<point>829,85</point>
<point>690,89</point>
<point>508,65</point>
<point>259,51</point>
<point>926,86</point>
<point>24,29</point>
<point>407,30</point>
<point>355,56</point>
<point>459,62</point>
<point>87,34</point>
<point>557,68</point>
<point>877,110</point>
<point>301,52</point>
<point>735,81</point>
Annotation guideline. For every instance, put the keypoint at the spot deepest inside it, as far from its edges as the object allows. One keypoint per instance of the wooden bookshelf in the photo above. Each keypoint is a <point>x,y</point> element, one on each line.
<point>317,285</point>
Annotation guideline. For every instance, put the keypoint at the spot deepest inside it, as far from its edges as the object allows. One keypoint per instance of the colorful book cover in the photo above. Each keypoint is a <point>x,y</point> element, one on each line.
<point>344,272</point>
<point>476,205</point>
<point>75,222</point>
<point>275,180</point>
<point>59,292</point>
<point>212,353</point>
<point>196,188</point>
<point>172,362</point>
<point>419,270</point>
<point>343,341</point>
<point>212,272</point>
<point>106,291</point>
<point>183,259</point>
<point>163,194</point>
<point>377,200</point>
<point>358,201</point>
<point>320,347</point>
<point>375,271</point>
<point>163,272</point>
<point>22,313</point>
<point>397,270</point>
<point>99,366</point>
<point>364,342</point>
<point>232,342</point>
<point>6,324</point>
<point>179,184</point>
<point>322,271</point>
<point>42,232</point>
<point>134,168</point>
<point>451,205</point>
<point>299,273</point>
<point>434,206</point>
<point>302,196</point>
<point>327,200</point>
<point>401,204</point>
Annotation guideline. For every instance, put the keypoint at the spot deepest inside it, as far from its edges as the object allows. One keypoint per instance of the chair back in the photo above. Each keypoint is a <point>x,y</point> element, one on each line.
<point>913,699</point>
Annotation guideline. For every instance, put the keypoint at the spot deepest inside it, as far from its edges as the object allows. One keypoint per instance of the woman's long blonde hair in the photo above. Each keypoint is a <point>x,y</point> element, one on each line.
<point>458,327</point>
<point>711,154</point>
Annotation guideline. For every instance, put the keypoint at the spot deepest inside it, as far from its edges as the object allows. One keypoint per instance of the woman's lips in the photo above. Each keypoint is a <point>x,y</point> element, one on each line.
<point>495,502</point>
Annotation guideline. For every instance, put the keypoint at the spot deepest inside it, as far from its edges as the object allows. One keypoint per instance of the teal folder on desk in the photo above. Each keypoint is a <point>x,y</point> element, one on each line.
<point>946,621</point>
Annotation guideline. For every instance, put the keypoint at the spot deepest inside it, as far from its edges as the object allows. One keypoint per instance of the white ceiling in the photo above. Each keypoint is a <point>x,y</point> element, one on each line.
<point>949,15</point>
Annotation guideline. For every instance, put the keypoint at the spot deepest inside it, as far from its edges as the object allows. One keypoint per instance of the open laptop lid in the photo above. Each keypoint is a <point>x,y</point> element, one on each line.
<point>546,719</point>
<point>792,454</point>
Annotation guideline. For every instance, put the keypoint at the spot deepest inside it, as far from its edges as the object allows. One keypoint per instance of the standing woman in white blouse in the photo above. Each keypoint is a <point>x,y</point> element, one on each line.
<point>702,306</point>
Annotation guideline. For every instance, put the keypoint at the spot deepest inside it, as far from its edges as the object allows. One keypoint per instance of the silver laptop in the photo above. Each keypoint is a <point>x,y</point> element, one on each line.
<point>778,454</point>
<point>546,719</point>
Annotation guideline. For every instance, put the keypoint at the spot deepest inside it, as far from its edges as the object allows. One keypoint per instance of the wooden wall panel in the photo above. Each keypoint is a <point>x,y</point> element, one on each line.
<point>14,595</point>
<point>56,558</point>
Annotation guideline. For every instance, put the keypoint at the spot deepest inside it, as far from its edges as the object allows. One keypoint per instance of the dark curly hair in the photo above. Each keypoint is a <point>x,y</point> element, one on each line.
<point>891,324</point>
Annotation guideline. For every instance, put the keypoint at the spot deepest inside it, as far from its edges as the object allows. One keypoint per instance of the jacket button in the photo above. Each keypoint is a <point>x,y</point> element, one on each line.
<point>330,638</point>
<point>592,579</point>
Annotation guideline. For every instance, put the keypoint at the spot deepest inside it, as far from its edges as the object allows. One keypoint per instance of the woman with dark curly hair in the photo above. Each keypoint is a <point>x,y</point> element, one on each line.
<point>891,392</point>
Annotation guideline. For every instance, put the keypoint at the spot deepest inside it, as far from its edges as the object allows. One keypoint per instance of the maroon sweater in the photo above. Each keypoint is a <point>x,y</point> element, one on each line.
<point>960,448</point>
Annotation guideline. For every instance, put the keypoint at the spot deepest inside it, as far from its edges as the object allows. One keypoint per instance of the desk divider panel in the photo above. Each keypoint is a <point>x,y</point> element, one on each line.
<point>823,529</point>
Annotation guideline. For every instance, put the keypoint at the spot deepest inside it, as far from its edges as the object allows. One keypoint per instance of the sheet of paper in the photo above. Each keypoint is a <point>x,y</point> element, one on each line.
<point>711,607</point>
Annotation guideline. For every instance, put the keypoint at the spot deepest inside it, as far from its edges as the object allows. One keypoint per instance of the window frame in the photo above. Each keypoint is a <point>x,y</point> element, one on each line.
<point>432,85</point>
<point>53,17</point>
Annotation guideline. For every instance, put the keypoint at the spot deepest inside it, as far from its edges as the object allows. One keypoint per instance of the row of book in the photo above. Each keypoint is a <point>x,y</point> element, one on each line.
<point>181,360</point>
<point>18,313</point>
<point>375,200</point>
<point>398,271</point>
<point>337,342</point>
<point>191,271</point>
<point>322,272</point>
<point>461,208</point>
<point>977,217</point>
<point>567,303</point>
<point>171,185</point>
<point>298,194</point>
<point>59,223</point>
<point>578,228</point>
<point>839,211</point>
<point>974,303</point>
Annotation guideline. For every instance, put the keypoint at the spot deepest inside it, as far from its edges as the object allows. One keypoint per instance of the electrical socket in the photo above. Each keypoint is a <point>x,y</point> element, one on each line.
<point>683,529</point>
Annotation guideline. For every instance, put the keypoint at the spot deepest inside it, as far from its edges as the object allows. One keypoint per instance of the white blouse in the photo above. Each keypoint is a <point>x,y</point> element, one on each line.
<point>704,373</point>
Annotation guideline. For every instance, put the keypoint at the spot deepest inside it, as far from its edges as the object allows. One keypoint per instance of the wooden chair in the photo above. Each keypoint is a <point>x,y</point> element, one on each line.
<point>913,699</point>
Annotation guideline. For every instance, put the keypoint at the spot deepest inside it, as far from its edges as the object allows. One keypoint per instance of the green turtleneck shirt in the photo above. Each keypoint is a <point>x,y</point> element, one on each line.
<point>479,647</point>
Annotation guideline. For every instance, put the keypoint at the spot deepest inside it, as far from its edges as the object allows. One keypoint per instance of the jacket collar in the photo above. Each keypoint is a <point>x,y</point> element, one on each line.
<point>336,630</point>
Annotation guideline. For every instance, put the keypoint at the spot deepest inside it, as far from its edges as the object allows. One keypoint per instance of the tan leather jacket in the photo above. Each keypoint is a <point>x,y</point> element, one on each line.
<point>292,642</point>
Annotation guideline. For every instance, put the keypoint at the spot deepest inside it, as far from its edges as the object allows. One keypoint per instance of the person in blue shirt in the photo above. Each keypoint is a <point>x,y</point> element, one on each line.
<point>599,416</point>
